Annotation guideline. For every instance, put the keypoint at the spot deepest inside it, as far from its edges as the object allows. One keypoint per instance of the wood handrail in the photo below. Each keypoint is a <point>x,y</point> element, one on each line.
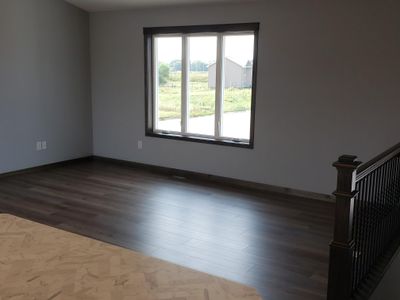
<point>377,161</point>
<point>363,227</point>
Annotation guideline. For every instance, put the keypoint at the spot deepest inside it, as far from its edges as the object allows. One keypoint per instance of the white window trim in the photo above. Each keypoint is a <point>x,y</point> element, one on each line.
<point>219,85</point>
<point>185,95</point>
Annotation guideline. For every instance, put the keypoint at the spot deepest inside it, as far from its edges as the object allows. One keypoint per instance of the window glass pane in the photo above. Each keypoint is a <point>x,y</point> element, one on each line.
<point>202,78</point>
<point>239,53</point>
<point>168,58</point>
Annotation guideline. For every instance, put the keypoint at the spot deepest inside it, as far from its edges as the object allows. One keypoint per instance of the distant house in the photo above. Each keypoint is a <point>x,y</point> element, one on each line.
<point>236,75</point>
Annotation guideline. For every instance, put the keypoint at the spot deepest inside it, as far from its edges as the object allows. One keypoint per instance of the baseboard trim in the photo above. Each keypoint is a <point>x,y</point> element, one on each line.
<point>237,183</point>
<point>46,166</point>
<point>279,191</point>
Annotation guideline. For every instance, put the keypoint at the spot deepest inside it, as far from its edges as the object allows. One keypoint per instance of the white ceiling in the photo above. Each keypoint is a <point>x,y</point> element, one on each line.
<point>104,5</point>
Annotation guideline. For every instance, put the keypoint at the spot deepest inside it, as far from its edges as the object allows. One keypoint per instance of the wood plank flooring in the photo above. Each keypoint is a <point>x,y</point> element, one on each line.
<point>277,245</point>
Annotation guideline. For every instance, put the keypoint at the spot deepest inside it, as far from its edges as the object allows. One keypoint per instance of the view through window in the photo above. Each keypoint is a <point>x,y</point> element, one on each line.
<point>202,84</point>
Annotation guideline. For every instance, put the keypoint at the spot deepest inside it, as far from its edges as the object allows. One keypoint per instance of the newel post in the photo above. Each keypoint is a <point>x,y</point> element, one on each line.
<point>342,246</point>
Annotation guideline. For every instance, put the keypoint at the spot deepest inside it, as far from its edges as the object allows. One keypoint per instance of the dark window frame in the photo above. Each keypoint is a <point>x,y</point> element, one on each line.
<point>149,75</point>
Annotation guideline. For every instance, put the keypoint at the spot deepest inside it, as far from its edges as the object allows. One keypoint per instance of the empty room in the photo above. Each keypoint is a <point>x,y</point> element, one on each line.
<point>199,149</point>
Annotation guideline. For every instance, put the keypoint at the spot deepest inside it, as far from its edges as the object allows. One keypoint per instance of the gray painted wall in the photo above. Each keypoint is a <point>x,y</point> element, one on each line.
<point>328,84</point>
<point>44,83</point>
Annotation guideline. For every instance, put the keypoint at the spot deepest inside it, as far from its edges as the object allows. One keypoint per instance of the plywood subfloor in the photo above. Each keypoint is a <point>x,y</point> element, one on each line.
<point>41,262</point>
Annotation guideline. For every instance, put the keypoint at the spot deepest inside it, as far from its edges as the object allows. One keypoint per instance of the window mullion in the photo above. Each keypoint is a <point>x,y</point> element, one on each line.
<point>185,84</point>
<point>156,85</point>
<point>219,90</point>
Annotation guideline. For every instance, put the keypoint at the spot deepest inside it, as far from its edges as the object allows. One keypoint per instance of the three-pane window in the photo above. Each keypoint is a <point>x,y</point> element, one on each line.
<point>200,83</point>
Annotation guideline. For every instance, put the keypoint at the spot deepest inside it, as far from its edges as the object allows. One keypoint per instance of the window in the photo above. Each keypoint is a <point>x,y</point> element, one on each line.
<point>200,83</point>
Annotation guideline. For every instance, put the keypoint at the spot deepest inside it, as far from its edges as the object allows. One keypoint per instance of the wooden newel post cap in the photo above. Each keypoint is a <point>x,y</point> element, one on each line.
<point>347,161</point>
<point>346,167</point>
<point>347,158</point>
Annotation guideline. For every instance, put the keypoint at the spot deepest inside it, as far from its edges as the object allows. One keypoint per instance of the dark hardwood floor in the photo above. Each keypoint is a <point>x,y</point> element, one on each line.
<point>278,245</point>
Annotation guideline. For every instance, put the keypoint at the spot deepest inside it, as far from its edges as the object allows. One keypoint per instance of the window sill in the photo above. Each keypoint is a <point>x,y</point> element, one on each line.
<point>203,140</point>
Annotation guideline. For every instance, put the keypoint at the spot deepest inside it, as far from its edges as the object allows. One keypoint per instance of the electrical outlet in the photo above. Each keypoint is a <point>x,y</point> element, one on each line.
<point>44,145</point>
<point>140,145</point>
<point>38,146</point>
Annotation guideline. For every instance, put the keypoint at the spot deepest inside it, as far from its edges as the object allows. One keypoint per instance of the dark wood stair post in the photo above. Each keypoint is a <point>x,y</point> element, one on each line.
<point>342,246</point>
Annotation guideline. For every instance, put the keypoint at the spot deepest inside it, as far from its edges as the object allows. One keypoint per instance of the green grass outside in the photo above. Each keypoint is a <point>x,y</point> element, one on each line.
<point>202,99</point>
